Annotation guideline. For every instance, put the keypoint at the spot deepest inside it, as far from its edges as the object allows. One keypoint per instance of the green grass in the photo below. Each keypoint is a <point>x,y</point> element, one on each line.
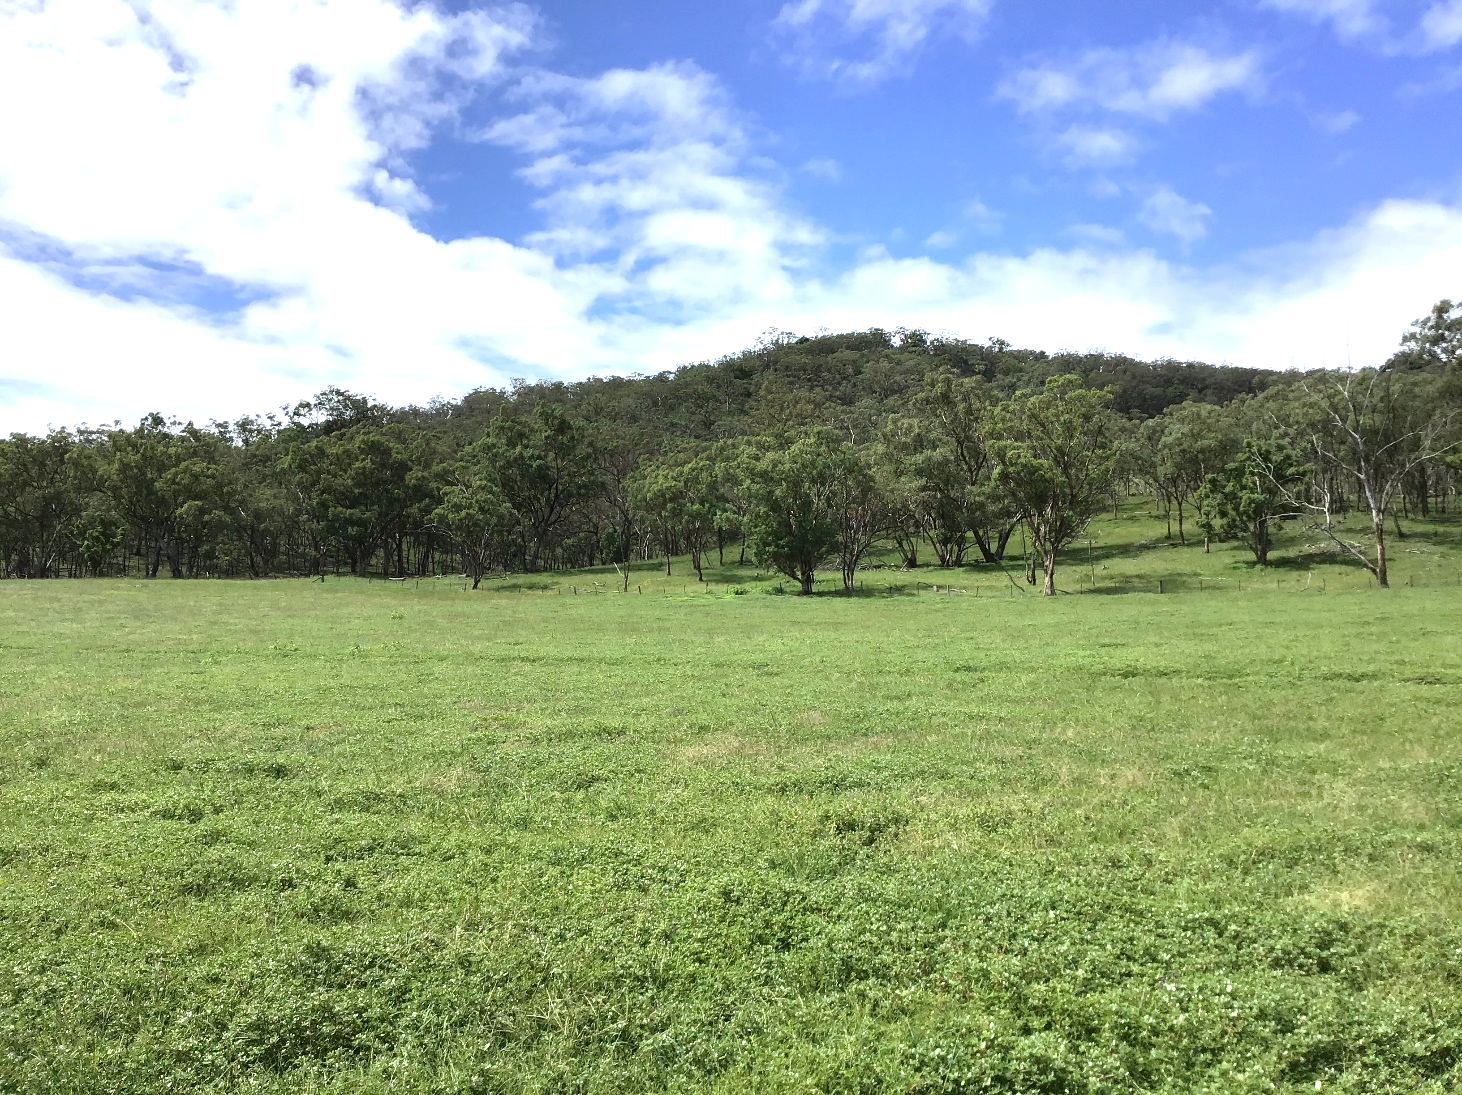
<point>288,836</point>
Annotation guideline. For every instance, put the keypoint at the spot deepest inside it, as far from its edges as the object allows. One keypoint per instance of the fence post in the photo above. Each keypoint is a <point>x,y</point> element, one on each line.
<point>1159,585</point>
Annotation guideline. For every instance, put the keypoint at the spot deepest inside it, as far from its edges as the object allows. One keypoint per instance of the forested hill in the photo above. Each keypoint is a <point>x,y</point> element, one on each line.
<point>852,379</point>
<point>806,451</point>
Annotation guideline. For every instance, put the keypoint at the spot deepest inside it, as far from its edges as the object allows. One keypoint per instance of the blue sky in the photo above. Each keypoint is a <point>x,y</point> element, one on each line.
<point>214,209</point>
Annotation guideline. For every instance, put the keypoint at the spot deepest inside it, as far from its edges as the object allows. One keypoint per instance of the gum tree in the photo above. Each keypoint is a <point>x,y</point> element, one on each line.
<point>1373,428</point>
<point>799,493</point>
<point>1250,496</point>
<point>1056,463</point>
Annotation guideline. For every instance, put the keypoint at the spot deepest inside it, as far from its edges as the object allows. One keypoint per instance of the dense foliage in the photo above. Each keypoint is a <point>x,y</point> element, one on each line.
<point>809,452</point>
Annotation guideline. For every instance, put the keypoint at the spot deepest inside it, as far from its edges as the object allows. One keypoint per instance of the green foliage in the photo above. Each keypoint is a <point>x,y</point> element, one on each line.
<point>677,499</point>
<point>96,535</point>
<point>1434,342</point>
<point>477,517</point>
<point>798,495</point>
<point>939,465</point>
<point>39,495</point>
<point>1250,497</point>
<point>543,467</point>
<point>340,481</point>
<point>1056,463</point>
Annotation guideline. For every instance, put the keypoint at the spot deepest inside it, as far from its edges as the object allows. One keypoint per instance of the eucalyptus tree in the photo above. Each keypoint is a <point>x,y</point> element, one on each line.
<point>961,414</point>
<point>675,496</point>
<point>358,489</point>
<point>1433,343</point>
<point>797,518</point>
<point>1248,498</point>
<point>1056,461</point>
<point>863,514</point>
<point>544,466</point>
<point>40,496</point>
<point>476,517</point>
<point>1374,428</point>
<point>173,483</point>
<point>1180,448</point>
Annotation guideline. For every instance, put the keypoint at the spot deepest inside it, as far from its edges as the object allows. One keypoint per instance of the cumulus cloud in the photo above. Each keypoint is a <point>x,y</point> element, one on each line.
<point>1441,26</point>
<point>210,216</point>
<point>885,34</point>
<point>1152,81</point>
<point>1343,297</point>
<point>1168,211</point>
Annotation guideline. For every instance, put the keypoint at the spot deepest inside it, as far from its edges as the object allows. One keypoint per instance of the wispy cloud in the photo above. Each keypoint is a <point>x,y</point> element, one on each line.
<point>1353,20</point>
<point>866,41</point>
<point>1169,212</point>
<point>1368,23</point>
<point>976,217</point>
<point>1152,81</point>
<point>1340,121</point>
<point>643,174</point>
<point>1096,146</point>
<point>828,170</point>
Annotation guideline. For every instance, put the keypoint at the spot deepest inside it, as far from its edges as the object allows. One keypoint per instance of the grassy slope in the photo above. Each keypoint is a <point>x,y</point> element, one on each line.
<point>291,836</point>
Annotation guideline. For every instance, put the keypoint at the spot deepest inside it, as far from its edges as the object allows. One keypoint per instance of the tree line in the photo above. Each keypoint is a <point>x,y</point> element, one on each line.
<point>801,454</point>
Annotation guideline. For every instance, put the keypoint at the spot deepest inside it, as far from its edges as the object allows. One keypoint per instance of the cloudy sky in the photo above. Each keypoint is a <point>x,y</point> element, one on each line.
<point>213,208</point>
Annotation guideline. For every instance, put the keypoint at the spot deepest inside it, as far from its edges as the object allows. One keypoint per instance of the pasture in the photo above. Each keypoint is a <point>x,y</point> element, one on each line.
<point>357,836</point>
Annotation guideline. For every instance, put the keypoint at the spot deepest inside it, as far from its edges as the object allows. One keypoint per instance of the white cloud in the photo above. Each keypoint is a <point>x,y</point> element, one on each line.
<point>1153,81</point>
<point>1352,19</point>
<point>1441,26</point>
<point>643,171</point>
<point>1342,297</point>
<point>223,154</point>
<point>1365,22</point>
<point>1168,211</point>
<point>889,32</point>
<point>976,216</point>
<point>1096,146</point>
<point>1339,122</point>
<point>1098,234</point>
<point>825,169</point>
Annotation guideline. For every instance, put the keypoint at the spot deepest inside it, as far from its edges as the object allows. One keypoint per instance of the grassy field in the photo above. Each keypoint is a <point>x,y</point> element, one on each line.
<point>289,836</point>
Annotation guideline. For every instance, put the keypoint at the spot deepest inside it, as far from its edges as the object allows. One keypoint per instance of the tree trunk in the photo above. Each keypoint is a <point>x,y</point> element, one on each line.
<point>1001,543</point>
<point>1181,538</point>
<point>805,580</point>
<point>1048,563</point>
<point>667,564</point>
<point>1378,523</point>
